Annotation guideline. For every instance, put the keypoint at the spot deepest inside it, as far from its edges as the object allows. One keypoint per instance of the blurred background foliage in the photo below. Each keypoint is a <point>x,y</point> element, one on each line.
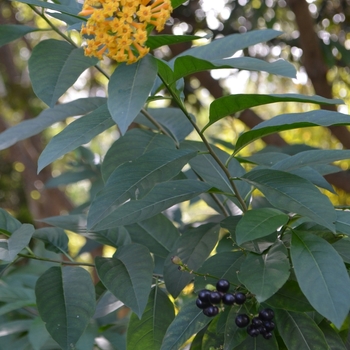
<point>315,39</point>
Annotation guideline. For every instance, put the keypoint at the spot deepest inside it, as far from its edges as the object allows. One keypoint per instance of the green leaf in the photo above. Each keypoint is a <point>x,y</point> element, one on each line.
<point>193,247</point>
<point>19,239</point>
<point>69,10</point>
<point>212,339</point>
<point>313,256</point>
<point>142,141</point>
<point>128,90</point>
<point>189,321</point>
<point>221,265</point>
<point>54,66</point>
<point>294,194</point>
<point>333,338</point>
<point>258,343</point>
<point>135,179</point>
<point>161,197</point>
<point>114,237</point>
<point>299,331</point>
<point>8,222</point>
<point>187,65</point>
<point>128,275</point>
<point>230,44</point>
<point>11,32</point>
<point>159,242</point>
<point>265,274</point>
<point>46,118</point>
<point>155,41</point>
<point>290,298</point>
<point>66,302</point>
<point>259,223</point>
<point>75,223</point>
<point>291,121</point>
<point>234,336</point>
<point>38,334</point>
<point>228,105</point>
<point>69,177</point>
<point>148,332</point>
<point>343,248</point>
<point>78,133</point>
<point>342,223</point>
<point>310,158</point>
<point>55,239</point>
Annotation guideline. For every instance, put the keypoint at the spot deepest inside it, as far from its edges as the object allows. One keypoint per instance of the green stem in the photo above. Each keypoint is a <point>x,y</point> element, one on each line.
<point>55,261</point>
<point>205,141</point>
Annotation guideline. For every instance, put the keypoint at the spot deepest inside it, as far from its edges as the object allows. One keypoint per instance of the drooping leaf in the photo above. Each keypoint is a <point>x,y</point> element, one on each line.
<point>290,298</point>
<point>321,275</point>
<point>66,302</point>
<point>161,197</point>
<point>46,118</point>
<point>133,180</point>
<point>293,193</point>
<point>187,322</point>
<point>11,32</point>
<point>259,223</point>
<point>299,331</point>
<point>333,338</point>
<point>128,90</point>
<point>193,247</point>
<point>230,44</point>
<point>186,65</point>
<point>221,265</point>
<point>54,66</point>
<point>128,275</point>
<point>155,41</point>
<point>55,238</point>
<point>78,133</point>
<point>148,332</point>
<point>148,232</point>
<point>291,121</point>
<point>228,105</point>
<point>142,141</point>
<point>19,239</point>
<point>265,274</point>
<point>106,304</point>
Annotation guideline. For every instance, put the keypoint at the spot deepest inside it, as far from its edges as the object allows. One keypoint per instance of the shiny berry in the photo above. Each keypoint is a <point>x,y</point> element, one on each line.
<point>228,299</point>
<point>242,320</point>
<point>256,322</point>
<point>202,304</point>
<point>252,331</point>
<point>269,325</point>
<point>266,314</point>
<point>211,311</point>
<point>267,335</point>
<point>240,298</point>
<point>215,297</point>
<point>222,286</point>
<point>203,295</point>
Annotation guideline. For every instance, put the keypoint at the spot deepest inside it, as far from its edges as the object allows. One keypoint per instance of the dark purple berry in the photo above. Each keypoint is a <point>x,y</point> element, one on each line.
<point>211,311</point>
<point>242,320</point>
<point>240,298</point>
<point>203,295</point>
<point>269,325</point>
<point>256,322</point>
<point>266,314</point>
<point>215,297</point>
<point>228,299</point>
<point>262,329</point>
<point>222,286</point>
<point>252,331</point>
<point>267,335</point>
<point>202,304</point>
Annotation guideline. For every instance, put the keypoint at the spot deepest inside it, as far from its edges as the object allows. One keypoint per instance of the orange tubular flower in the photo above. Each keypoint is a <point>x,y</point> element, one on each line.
<point>118,27</point>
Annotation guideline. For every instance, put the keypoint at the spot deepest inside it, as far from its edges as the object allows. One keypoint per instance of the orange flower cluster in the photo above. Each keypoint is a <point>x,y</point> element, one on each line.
<point>118,27</point>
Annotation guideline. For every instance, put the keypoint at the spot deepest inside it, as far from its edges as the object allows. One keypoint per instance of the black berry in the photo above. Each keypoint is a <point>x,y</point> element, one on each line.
<point>222,286</point>
<point>240,298</point>
<point>267,335</point>
<point>228,299</point>
<point>269,325</point>
<point>266,314</point>
<point>242,320</point>
<point>202,304</point>
<point>215,297</point>
<point>211,311</point>
<point>252,331</point>
<point>256,322</point>
<point>203,295</point>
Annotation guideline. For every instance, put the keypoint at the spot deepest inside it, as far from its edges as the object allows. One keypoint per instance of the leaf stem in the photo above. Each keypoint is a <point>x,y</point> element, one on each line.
<point>55,261</point>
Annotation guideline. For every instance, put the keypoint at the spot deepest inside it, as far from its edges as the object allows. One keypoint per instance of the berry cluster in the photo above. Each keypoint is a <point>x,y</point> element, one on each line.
<point>207,300</point>
<point>262,324</point>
